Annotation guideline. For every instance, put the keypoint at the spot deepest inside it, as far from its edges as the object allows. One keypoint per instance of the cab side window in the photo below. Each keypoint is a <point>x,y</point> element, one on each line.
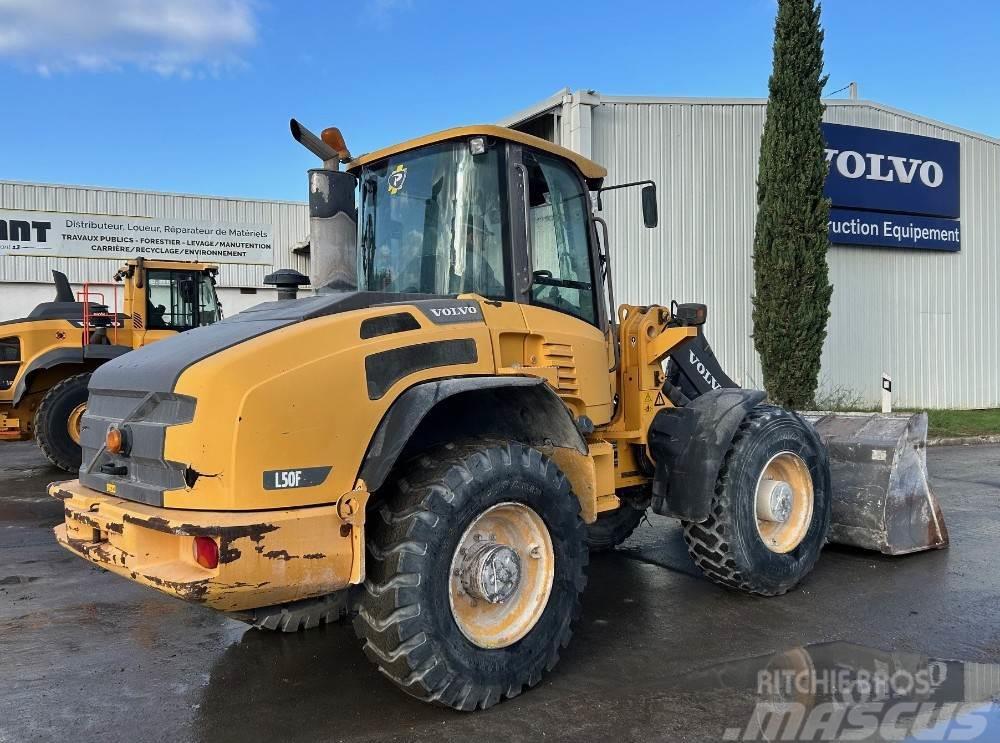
<point>558,228</point>
<point>174,300</point>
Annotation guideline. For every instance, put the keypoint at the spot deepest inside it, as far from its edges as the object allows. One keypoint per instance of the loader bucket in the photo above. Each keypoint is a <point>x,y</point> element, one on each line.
<point>878,471</point>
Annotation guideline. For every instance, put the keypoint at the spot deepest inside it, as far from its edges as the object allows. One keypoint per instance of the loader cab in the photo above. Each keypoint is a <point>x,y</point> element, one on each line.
<point>180,299</point>
<point>495,212</point>
<point>482,210</point>
<point>167,297</point>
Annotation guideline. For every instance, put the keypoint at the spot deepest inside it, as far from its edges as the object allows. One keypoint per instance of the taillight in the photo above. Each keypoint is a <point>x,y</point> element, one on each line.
<point>206,552</point>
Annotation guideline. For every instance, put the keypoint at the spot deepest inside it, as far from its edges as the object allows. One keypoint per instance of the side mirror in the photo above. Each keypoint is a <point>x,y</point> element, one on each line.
<point>650,215</point>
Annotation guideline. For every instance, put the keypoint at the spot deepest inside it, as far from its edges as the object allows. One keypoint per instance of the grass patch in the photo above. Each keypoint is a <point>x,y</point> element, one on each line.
<point>946,423</point>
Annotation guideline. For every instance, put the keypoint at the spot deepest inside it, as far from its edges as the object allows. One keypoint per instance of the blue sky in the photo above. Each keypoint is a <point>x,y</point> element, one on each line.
<point>194,95</point>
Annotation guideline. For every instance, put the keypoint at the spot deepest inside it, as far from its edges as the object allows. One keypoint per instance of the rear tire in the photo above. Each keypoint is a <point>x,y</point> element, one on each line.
<point>729,547</point>
<point>54,417</point>
<point>613,527</point>
<point>408,614</point>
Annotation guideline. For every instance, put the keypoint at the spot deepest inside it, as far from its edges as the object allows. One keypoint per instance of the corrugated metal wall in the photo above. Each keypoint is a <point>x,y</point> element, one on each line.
<point>927,318</point>
<point>289,222</point>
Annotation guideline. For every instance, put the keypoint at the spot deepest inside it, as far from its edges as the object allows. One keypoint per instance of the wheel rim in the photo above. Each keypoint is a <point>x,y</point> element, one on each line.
<point>501,575</point>
<point>784,502</point>
<point>73,422</point>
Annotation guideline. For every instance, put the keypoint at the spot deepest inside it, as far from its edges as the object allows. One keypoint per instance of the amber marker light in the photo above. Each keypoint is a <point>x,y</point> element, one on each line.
<point>332,136</point>
<point>113,440</point>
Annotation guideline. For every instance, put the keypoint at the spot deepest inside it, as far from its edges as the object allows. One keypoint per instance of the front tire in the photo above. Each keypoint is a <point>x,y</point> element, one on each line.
<point>483,508</point>
<point>749,541</point>
<point>57,422</point>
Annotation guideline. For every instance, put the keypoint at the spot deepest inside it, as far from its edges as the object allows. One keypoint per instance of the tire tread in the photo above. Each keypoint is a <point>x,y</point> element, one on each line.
<point>412,516</point>
<point>43,422</point>
<point>707,541</point>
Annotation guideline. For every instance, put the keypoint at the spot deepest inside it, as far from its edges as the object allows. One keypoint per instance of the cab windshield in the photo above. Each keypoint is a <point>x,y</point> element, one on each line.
<point>180,300</point>
<point>432,222</point>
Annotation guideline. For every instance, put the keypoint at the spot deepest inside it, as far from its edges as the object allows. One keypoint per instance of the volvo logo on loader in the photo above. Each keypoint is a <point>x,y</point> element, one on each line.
<point>446,311</point>
<point>704,372</point>
<point>453,311</point>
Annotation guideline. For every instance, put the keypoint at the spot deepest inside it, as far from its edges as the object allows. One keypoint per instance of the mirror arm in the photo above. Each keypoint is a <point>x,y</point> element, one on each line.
<point>647,183</point>
<point>602,189</point>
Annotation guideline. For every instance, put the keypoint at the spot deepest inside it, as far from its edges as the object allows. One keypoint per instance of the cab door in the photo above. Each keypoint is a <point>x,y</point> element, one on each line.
<point>561,293</point>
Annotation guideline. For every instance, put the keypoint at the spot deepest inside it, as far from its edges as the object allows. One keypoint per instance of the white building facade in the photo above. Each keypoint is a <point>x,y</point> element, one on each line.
<point>927,317</point>
<point>249,238</point>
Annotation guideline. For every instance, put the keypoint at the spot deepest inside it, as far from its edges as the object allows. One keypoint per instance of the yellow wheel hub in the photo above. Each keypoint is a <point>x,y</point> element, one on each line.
<point>784,502</point>
<point>501,575</point>
<point>73,422</point>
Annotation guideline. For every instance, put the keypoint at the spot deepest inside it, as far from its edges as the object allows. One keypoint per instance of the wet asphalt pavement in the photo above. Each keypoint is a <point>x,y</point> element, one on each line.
<point>658,654</point>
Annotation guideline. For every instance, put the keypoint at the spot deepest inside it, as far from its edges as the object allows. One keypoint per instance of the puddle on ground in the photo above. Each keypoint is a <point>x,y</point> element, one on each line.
<point>826,692</point>
<point>842,691</point>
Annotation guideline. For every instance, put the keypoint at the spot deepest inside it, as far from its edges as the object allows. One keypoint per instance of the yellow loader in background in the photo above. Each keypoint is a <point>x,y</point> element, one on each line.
<point>46,359</point>
<point>455,419</point>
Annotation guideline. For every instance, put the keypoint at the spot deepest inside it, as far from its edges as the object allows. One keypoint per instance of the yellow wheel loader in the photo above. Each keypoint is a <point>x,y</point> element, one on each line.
<point>46,359</point>
<point>450,424</point>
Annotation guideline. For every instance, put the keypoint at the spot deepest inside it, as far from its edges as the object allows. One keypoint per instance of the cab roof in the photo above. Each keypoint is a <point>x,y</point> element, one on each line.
<point>154,263</point>
<point>590,170</point>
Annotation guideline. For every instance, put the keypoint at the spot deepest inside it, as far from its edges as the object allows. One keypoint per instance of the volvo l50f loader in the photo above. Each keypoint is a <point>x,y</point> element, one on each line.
<point>453,422</point>
<point>46,359</point>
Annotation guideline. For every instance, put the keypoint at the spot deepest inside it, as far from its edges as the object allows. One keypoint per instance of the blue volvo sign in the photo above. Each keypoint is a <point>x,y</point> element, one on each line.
<point>891,189</point>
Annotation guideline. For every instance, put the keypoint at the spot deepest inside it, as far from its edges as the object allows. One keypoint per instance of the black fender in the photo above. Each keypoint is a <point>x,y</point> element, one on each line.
<point>58,356</point>
<point>688,445</point>
<point>47,360</point>
<point>524,409</point>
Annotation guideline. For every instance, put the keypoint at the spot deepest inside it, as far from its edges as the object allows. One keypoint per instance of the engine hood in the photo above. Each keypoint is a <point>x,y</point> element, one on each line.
<point>274,407</point>
<point>158,366</point>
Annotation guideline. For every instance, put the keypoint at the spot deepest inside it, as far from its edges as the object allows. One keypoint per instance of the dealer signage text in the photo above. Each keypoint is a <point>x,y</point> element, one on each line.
<point>62,235</point>
<point>891,189</point>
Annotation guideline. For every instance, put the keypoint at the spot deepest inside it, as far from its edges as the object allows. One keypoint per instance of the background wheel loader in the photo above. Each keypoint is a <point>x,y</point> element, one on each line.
<point>46,359</point>
<point>447,425</point>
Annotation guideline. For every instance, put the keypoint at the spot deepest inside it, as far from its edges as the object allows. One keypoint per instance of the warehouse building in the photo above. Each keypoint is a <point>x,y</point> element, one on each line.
<point>914,225</point>
<point>87,232</point>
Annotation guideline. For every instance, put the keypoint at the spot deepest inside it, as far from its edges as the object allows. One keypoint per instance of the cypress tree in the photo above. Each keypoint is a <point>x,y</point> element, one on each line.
<point>792,293</point>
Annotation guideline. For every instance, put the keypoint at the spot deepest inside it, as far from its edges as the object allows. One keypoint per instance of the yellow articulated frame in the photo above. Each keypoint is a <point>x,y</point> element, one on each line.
<point>591,476</point>
<point>265,558</point>
<point>645,342</point>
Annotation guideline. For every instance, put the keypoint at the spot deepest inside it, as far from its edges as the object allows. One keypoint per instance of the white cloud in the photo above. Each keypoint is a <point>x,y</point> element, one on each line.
<point>169,37</point>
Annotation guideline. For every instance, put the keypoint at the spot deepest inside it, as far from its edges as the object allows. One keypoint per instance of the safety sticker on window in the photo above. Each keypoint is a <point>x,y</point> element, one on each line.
<point>396,179</point>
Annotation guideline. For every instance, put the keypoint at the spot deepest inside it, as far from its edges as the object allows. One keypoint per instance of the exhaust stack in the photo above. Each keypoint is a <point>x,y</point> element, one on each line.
<point>333,222</point>
<point>287,281</point>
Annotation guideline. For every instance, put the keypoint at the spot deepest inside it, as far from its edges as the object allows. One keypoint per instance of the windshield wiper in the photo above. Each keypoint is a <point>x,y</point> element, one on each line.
<point>545,278</point>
